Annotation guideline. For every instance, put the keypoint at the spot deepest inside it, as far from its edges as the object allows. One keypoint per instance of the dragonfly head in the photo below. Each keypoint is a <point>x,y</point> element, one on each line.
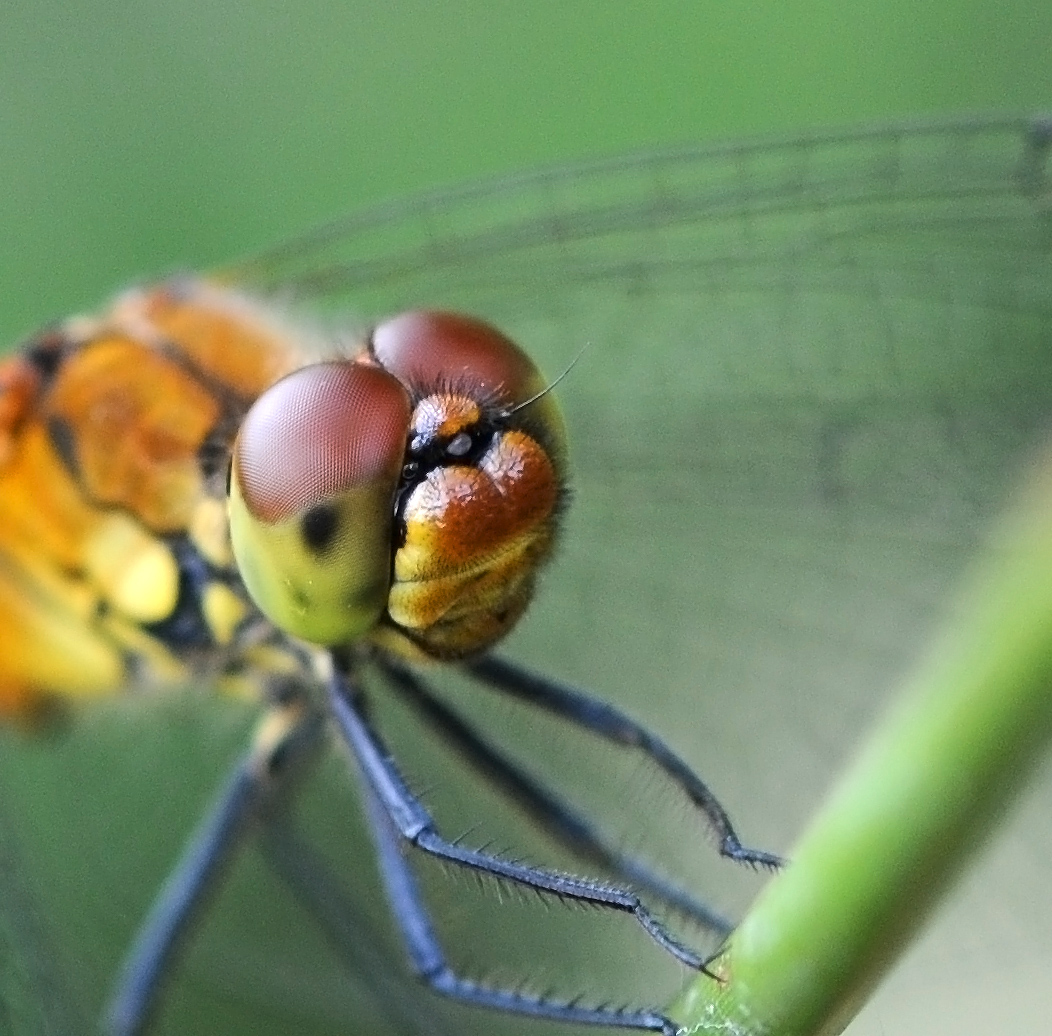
<point>411,492</point>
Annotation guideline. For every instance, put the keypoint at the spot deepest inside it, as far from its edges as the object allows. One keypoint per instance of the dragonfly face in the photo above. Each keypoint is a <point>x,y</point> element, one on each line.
<point>814,367</point>
<point>423,438</point>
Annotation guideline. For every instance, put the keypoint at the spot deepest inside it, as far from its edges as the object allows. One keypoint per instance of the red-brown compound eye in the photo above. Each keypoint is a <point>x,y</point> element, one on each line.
<point>314,472</point>
<point>433,351</point>
<point>316,433</point>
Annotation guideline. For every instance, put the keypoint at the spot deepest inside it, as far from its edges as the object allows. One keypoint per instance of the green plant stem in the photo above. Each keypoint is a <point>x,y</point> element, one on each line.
<point>939,774</point>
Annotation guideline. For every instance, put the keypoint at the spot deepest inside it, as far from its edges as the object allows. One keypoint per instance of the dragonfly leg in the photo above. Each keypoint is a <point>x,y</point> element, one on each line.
<point>258,783</point>
<point>604,720</point>
<point>415,824</point>
<point>551,813</point>
<point>427,958</point>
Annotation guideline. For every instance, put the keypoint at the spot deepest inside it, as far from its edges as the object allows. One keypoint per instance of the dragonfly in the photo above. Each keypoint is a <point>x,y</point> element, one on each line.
<point>822,361</point>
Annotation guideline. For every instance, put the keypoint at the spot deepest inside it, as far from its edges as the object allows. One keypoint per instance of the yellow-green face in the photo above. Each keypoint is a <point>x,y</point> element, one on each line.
<point>401,494</point>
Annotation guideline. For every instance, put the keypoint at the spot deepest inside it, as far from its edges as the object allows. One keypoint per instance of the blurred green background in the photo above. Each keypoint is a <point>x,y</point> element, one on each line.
<point>141,138</point>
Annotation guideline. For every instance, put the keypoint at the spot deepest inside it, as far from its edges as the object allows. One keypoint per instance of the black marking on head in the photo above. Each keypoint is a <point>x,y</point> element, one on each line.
<point>464,447</point>
<point>318,526</point>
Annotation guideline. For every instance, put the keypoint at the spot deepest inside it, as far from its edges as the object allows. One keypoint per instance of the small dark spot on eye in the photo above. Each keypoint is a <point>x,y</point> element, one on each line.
<point>319,525</point>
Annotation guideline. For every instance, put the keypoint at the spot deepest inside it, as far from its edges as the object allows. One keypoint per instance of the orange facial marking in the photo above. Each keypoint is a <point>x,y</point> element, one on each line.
<point>442,416</point>
<point>460,516</point>
<point>474,539</point>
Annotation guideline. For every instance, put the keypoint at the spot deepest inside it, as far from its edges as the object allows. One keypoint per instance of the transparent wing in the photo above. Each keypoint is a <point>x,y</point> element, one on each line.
<point>814,370</point>
<point>36,996</point>
<point>826,211</point>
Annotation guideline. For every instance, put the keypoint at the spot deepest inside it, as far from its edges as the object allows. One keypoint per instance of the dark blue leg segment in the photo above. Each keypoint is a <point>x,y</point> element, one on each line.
<point>417,827</point>
<point>179,903</point>
<point>551,813</point>
<point>427,959</point>
<point>606,721</point>
<point>258,783</point>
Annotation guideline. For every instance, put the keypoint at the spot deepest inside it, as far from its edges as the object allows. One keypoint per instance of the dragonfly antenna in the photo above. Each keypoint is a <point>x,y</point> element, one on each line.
<point>548,388</point>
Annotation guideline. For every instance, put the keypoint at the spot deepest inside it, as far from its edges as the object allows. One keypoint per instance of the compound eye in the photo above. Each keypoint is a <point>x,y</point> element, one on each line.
<point>439,352</point>
<point>314,472</point>
<point>319,431</point>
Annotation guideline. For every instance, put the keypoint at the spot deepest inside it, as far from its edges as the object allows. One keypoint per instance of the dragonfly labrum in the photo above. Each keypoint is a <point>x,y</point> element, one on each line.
<point>804,345</point>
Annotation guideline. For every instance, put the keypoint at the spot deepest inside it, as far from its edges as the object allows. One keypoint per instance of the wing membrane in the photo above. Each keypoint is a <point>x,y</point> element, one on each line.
<point>813,209</point>
<point>813,370</point>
